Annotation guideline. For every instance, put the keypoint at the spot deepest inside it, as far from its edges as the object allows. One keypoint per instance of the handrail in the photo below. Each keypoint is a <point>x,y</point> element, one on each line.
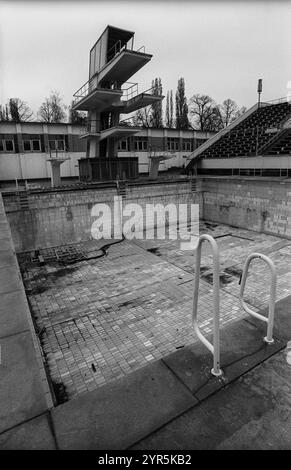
<point>283,99</point>
<point>126,122</point>
<point>89,87</point>
<point>141,48</point>
<point>132,93</point>
<point>215,347</point>
<point>119,47</point>
<point>277,136</point>
<point>129,92</point>
<point>270,319</point>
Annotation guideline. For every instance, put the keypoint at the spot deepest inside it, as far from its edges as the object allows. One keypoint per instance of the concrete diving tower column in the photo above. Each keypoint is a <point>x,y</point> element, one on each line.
<point>154,164</point>
<point>56,168</point>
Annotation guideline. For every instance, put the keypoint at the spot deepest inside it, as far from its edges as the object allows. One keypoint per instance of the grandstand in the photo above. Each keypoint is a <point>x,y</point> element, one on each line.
<point>249,143</point>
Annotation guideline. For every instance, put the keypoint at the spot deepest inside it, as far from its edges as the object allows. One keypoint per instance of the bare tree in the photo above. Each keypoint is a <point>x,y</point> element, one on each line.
<point>241,111</point>
<point>77,117</point>
<point>143,117</point>
<point>19,110</point>
<point>228,110</point>
<point>205,113</point>
<point>52,109</point>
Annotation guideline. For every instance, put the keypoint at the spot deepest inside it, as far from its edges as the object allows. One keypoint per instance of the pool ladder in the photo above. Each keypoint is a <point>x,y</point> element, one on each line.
<point>215,347</point>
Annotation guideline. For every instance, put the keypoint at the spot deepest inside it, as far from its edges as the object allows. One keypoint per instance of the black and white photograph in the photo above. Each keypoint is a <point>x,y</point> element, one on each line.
<point>145,229</point>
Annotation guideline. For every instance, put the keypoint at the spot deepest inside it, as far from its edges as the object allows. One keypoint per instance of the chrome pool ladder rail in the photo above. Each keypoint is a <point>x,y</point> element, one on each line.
<point>215,347</point>
<point>270,318</point>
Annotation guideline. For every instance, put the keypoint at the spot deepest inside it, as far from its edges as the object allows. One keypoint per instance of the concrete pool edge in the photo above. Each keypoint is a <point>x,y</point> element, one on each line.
<point>24,387</point>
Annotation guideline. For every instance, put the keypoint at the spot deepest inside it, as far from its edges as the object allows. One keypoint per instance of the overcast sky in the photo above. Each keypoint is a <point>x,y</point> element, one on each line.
<point>220,48</point>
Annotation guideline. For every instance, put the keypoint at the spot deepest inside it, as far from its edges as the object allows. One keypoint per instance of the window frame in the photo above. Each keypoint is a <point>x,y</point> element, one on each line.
<point>31,141</point>
<point>4,144</point>
<point>141,143</point>
<point>187,142</point>
<point>123,141</point>
<point>24,142</point>
<point>173,144</point>
<point>39,145</point>
<point>55,142</point>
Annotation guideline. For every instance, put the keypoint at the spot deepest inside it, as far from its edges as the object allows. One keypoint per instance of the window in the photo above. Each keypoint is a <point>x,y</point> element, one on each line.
<point>52,144</point>
<point>36,145</point>
<point>6,145</point>
<point>57,143</point>
<point>141,144</point>
<point>31,143</point>
<point>61,145</point>
<point>123,145</point>
<point>26,146</point>
<point>173,143</point>
<point>9,145</point>
<point>187,145</point>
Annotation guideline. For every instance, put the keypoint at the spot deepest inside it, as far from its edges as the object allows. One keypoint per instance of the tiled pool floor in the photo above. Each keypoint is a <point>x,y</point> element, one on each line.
<point>103,318</point>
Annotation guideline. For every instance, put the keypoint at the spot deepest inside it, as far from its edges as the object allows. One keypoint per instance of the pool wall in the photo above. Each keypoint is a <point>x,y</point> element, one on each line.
<point>260,204</point>
<point>51,218</point>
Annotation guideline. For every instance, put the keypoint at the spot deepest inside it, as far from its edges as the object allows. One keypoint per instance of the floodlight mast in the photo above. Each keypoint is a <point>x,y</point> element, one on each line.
<point>260,89</point>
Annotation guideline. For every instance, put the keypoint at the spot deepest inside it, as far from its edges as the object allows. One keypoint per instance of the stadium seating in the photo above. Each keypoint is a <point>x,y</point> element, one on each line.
<point>261,133</point>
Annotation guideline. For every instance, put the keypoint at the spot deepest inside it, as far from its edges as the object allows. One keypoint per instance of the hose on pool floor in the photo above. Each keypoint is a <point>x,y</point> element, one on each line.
<point>103,249</point>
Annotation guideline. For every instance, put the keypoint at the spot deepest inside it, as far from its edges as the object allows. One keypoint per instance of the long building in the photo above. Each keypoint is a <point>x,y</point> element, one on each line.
<point>27,147</point>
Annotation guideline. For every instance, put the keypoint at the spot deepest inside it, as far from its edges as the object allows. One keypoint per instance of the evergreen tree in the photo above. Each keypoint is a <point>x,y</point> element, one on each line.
<point>182,121</point>
<point>169,110</point>
<point>157,108</point>
<point>2,113</point>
